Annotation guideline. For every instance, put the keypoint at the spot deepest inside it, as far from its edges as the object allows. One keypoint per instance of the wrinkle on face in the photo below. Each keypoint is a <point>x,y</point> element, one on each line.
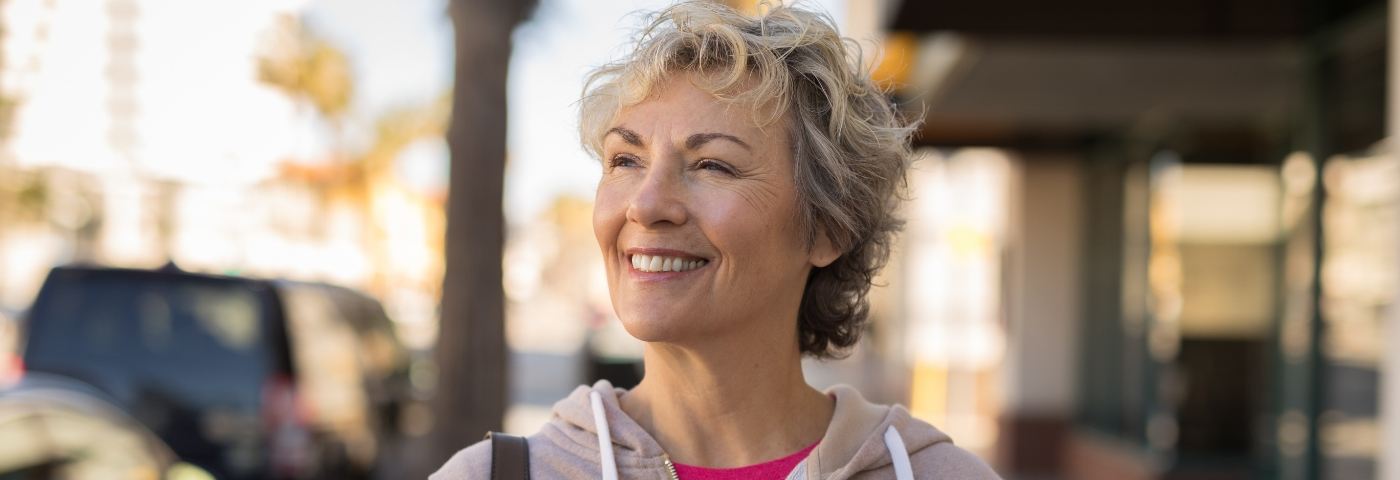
<point>758,190</point>
<point>684,168</point>
<point>763,170</point>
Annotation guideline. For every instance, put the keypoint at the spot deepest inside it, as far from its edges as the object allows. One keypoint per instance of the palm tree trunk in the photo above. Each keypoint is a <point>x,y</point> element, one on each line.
<point>471,351</point>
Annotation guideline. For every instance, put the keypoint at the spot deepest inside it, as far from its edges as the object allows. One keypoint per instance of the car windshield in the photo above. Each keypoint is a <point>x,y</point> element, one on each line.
<point>184,342</point>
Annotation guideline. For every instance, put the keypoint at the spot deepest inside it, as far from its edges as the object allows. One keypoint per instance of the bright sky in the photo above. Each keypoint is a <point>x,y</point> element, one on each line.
<point>186,84</point>
<point>403,55</point>
<point>401,50</point>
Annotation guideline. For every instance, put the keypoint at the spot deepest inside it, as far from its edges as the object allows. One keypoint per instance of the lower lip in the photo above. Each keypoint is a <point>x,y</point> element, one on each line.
<point>660,276</point>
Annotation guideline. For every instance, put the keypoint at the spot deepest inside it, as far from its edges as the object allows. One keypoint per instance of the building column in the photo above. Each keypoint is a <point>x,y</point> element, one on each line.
<point>1042,294</point>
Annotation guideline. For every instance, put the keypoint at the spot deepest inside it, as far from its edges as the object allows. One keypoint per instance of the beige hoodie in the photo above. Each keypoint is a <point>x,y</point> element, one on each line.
<point>859,444</point>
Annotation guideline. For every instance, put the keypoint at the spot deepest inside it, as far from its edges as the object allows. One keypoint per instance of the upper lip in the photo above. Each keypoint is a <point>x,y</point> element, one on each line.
<point>661,252</point>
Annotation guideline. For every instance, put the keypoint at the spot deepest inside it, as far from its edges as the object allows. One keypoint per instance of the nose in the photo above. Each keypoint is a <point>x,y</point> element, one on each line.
<point>658,200</point>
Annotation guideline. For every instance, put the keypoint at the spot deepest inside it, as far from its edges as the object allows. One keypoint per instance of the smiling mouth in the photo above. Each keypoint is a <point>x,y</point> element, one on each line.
<point>661,263</point>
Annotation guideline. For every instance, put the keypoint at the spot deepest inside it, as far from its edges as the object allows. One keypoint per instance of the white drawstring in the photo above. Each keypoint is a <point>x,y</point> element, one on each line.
<point>899,455</point>
<point>605,450</point>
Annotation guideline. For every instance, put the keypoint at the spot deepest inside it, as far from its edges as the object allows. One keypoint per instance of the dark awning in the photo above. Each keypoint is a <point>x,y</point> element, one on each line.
<point>1133,19</point>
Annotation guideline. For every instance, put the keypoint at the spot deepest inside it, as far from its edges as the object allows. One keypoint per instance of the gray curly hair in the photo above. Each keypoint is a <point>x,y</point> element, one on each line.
<point>850,144</point>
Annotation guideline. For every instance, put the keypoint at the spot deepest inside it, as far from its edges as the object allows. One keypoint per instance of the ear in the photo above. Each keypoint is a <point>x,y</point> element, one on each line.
<point>823,251</point>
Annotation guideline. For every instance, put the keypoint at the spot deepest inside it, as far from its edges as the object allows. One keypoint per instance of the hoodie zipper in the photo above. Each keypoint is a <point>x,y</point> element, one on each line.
<point>670,467</point>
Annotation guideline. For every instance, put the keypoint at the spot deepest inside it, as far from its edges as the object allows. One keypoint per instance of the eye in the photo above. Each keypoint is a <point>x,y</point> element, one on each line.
<point>714,165</point>
<point>622,160</point>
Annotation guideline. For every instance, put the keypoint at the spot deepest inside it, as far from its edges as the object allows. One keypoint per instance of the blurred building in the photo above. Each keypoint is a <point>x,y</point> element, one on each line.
<point>104,100</point>
<point>1152,239</point>
<point>142,132</point>
<point>1198,259</point>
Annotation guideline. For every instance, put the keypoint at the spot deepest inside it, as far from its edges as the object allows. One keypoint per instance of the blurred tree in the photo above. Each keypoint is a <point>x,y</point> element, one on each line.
<point>20,197</point>
<point>24,196</point>
<point>7,103</point>
<point>313,72</point>
<point>375,178</point>
<point>471,351</point>
<point>308,68</point>
<point>398,128</point>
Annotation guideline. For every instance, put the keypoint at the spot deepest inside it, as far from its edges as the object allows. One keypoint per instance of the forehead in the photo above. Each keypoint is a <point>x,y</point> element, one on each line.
<point>677,103</point>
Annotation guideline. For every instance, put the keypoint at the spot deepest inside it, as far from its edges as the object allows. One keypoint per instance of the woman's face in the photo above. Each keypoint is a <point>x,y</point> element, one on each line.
<point>696,215</point>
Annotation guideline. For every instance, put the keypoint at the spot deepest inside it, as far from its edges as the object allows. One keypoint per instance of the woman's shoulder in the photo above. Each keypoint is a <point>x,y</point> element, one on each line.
<point>939,456</point>
<point>860,440</point>
<point>947,460</point>
<point>472,462</point>
<point>551,454</point>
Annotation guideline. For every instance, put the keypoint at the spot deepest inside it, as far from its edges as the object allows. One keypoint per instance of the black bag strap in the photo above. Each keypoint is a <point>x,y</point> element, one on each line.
<point>510,457</point>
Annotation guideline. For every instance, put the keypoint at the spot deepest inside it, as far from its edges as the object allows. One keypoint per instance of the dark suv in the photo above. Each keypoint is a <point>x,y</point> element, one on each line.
<point>245,378</point>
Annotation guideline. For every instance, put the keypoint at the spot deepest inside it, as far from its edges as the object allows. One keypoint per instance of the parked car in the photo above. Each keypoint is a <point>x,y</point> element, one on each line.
<point>244,378</point>
<point>53,427</point>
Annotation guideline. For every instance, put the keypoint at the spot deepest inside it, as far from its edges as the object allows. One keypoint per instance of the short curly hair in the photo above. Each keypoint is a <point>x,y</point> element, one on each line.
<point>850,143</point>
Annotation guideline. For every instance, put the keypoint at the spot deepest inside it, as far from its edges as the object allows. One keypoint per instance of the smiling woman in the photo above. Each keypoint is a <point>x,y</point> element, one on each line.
<point>750,177</point>
<point>688,178</point>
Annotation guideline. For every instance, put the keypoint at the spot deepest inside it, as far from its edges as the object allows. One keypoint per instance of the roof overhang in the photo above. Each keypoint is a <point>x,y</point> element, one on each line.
<point>996,91</point>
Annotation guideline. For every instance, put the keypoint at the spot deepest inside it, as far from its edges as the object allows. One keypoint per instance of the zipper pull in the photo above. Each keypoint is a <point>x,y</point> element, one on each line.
<point>670,467</point>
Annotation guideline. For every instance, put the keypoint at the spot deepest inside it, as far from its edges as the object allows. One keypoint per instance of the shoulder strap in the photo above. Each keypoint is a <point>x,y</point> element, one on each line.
<point>510,457</point>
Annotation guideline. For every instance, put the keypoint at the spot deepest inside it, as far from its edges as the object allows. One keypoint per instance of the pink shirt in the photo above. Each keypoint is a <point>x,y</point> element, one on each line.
<point>774,470</point>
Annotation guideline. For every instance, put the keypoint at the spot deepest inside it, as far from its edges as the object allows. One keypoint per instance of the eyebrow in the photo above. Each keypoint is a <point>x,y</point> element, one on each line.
<point>628,136</point>
<point>695,141</point>
<point>691,143</point>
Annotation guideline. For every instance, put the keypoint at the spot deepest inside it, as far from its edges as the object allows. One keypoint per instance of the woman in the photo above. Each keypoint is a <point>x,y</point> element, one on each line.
<point>750,177</point>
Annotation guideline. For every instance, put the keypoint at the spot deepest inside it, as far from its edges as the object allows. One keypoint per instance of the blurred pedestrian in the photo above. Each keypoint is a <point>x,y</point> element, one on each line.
<point>751,175</point>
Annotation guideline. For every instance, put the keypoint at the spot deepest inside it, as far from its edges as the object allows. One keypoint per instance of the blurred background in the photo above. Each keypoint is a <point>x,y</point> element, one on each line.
<point>1147,240</point>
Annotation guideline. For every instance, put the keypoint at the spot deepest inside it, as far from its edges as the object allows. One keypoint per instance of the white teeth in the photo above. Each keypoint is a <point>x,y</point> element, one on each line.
<point>656,263</point>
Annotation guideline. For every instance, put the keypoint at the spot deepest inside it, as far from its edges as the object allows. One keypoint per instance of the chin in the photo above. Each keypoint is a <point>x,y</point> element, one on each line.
<point>652,328</point>
<point>660,325</point>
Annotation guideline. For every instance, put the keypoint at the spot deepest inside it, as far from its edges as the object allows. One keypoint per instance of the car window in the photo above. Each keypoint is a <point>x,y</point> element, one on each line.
<point>330,375</point>
<point>185,342</point>
<point>379,348</point>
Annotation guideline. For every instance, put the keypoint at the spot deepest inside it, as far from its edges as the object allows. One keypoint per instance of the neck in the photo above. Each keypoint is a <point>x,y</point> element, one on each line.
<point>728,403</point>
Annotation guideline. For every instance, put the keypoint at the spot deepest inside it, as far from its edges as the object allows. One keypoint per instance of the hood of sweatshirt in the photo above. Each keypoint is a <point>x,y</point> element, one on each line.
<point>861,437</point>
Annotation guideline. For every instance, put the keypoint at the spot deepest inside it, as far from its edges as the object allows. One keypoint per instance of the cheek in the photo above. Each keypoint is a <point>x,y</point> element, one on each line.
<point>765,234</point>
<point>609,213</point>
